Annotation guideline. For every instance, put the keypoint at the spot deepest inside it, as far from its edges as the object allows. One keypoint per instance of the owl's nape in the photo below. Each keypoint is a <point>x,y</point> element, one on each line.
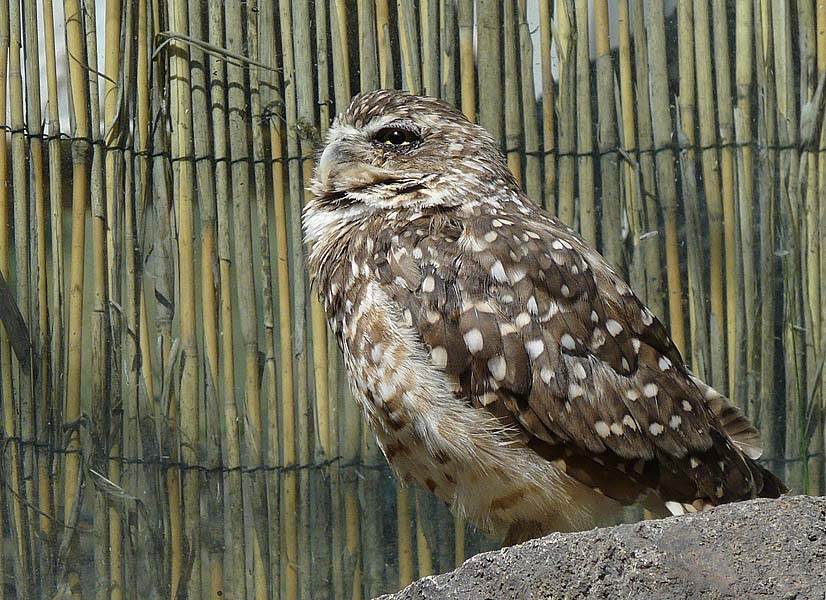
<point>501,362</point>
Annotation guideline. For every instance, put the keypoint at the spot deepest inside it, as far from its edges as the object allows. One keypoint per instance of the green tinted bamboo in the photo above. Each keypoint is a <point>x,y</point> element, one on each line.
<point>647,200</point>
<point>22,567</point>
<point>305,96</point>
<point>24,230</point>
<point>821,194</point>
<point>385,42</point>
<point>339,36</point>
<point>212,548</point>
<point>696,257</point>
<point>488,45</point>
<point>234,570</point>
<point>100,400</point>
<point>513,120</point>
<point>711,186</point>
<point>548,108</point>
<point>429,27</point>
<point>810,250</point>
<point>725,116</point>
<point>467,64</point>
<point>74,47</point>
<point>744,51</point>
<point>566,44</point>
<point>764,410</point>
<point>256,544</point>
<point>404,537</point>
<point>350,425</point>
<point>584,127</point>
<point>40,327</point>
<point>322,521</point>
<point>530,121</point>
<point>424,554</point>
<point>368,68</point>
<point>447,42</point>
<point>634,207</point>
<point>409,69</point>
<point>189,394</point>
<point>408,48</point>
<point>114,252</point>
<point>58,307</point>
<point>291,404</point>
<point>666,188</point>
<point>611,234</point>
<point>789,212</point>
<point>258,78</point>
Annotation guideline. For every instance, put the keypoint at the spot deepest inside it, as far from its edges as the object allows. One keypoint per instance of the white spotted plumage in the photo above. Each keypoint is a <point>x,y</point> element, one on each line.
<point>500,361</point>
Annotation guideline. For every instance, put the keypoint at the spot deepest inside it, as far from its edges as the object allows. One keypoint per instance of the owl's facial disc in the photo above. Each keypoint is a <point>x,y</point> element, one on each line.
<point>372,159</point>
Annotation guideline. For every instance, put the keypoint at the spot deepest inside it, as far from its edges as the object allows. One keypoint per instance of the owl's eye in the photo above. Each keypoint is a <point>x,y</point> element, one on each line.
<point>397,137</point>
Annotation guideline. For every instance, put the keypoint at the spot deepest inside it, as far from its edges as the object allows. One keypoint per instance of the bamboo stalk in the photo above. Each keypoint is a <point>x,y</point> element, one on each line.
<point>611,201</point>
<point>790,221</point>
<point>696,257</point>
<point>513,120</point>
<point>292,403</point>
<point>350,420</point>
<point>566,43</point>
<point>634,208</point>
<point>257,543</point>
<point>725,118</point>
<point>763,412</point>
<point>810,250</point>
<point>269,390</point>
<point>212,550</point>
<point>39,315</point>
<point>447,42</point>
<point>530,122</point>
<point>489,18</point>
<point>18,522</point>
<point>649,220</point>
<point>56,207</point>
<point>584,127</point>
<point>661,120</point>
<point>385,42</point>
<point>408,48</point>
<point>548,112</point>
<point>467,65</point>
<point>424,553</point>
<point>711,186</point>
<point>113,158</point>
<point>322,517</point>
<point>23,233</point>
<point>235,565</point>
<point>820,426</point>
<point>429,26</point>
<point>8,496</point>
<point>306,120</point>
<point>71,478</point>
<point>745,180</point>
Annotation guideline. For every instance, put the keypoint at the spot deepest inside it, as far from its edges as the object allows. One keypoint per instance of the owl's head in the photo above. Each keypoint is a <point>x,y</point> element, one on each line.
<point>389,149</point>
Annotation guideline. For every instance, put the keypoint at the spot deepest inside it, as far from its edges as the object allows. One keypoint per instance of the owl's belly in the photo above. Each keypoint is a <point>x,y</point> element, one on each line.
<point>461,453</point>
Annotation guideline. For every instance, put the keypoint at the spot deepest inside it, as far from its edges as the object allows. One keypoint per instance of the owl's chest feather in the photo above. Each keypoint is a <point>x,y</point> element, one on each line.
<point>431,435</point>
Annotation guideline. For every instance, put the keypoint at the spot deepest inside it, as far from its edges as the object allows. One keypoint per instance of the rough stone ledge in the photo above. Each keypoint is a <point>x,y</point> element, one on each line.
<point>755,549</point>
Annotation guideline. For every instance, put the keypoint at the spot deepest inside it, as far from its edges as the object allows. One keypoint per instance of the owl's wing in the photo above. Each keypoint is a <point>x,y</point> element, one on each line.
<point>537,328</point>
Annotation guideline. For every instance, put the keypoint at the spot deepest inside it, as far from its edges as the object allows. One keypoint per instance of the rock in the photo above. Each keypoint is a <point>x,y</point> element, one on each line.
<point>756,549</point>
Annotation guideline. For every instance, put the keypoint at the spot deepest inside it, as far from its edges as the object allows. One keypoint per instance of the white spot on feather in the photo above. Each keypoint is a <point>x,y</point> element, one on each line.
<point>474,341</point>
<point>497,367</point>
<point>534,348</point>
<point>602,429</point>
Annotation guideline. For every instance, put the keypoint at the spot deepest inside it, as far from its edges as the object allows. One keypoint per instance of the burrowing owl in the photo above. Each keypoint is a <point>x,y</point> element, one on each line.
<point>500,360</point>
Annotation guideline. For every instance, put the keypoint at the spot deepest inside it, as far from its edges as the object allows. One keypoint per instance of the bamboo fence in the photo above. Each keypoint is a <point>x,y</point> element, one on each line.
<point>174,419</point>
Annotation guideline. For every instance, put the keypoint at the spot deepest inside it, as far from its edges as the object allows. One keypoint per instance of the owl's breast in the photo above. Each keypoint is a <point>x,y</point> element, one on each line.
<point>430,434</point>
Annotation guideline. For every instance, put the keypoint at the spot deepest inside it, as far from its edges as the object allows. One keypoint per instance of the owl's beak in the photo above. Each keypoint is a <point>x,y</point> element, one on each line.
<point>329,163</point>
